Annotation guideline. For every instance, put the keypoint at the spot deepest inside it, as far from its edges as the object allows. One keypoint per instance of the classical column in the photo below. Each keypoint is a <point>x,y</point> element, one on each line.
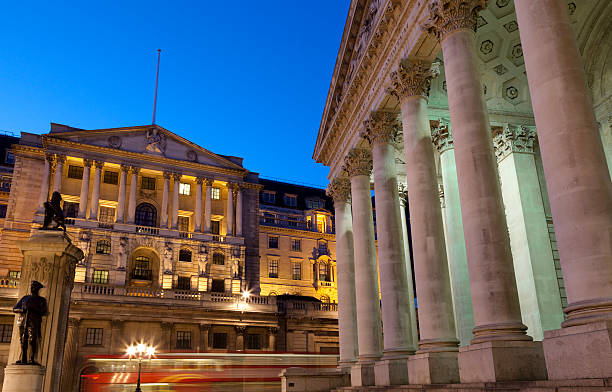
<point>95,192</point>
<point>121,197</point>
<point>204,332</point>
<point>438,339</point>
<point>198,205</point>
<point>164,207</point>
<point>132,201</point>
<point>340,190</point>
<point>359,166</point>
<point>272,332</point>
<point>455,241</point>
<point>381,130</point>
<point>208,205</point>
<point>239,192</point>
<point>166,329</point>
<point>70,354</point>
<point>84,189</point>
<point>499,331</point>
<point>176,178</point>
<point>229,218</point>
<point>59,170</point>
<point>44,186</point>
<point>240,331</point>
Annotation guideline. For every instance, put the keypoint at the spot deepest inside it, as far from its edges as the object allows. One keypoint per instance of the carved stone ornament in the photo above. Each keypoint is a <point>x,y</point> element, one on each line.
<point>413,78</point>
<point>114,141</point>
<point>358,162</point>
<point>191,155</point>
<point>513,139</point>
<point>156,141</point>
<point>446,16</point>
<point>339,189</point>
<point>381,127</point>
<point>441,136</point>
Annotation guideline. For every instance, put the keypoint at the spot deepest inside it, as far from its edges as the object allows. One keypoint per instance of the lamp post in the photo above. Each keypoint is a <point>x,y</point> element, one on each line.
<point>241,302</point>
<point>140,351</point>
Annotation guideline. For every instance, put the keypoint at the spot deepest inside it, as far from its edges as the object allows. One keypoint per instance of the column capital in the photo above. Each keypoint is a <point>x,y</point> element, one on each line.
<point>413,78</point>
<point>381,127</point>
<point>167,175</point>
<point>402,193</point>
<point>116,323</point>
<point>441,135</point>
<point>273,330</point>
<point>166,326</point>
<point>124,168</point>
<point>510,138</point>
<point>208,182</point>
<point>98,164</point>
<point>176,176</point>
<point>200,180</point>
<point>205,327</point>
<point>87,162</point>
<point>134,169</point>
<point>240,329</point>
<point>447,16</point>
<point>358,162</point>
<point>60,158</point>
<point>49,157</point>
<point>339,189</point>
<point>74,322</point>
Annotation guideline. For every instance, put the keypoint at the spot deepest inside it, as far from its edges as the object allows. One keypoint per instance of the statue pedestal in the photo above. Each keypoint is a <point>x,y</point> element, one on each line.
<point>23,378</point>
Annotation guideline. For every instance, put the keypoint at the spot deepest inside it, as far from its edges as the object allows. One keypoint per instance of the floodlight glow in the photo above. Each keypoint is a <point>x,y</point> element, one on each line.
<point>150,351</point>
<point>141,347</point>
<point>246,294</point>
<point>131,350</point>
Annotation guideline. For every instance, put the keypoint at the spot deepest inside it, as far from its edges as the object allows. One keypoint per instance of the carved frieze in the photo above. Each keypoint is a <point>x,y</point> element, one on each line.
<point>446,16</point>
<point>413,78</point>
<point>381,127</point>
<point>339,189</point>
<point>513,139</point>
<point>358,162</point>
<point>441,135</point>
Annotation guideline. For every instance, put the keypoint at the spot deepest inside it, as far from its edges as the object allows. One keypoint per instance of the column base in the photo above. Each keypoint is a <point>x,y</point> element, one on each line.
<point>583,351</point>
<point>23,378</point>
<point>502,361</point>
<point>434,368</point>
<point>362,374</point>
<point>391,371</point>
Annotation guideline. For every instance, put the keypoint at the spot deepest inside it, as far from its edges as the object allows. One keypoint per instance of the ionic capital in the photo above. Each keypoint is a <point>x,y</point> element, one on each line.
<point>339,189</point>
<point>199,180</point>
<point>167,175</point>
<point>240,329</point>
<point>208,182</point>
<point>381,127</point>
<point>98,165</point>
<point>513,139</point>
<point>413,78</point>
<point>441,135</point>
<point>60,159</point>
<point>49,157</point>
<point>124,168</point>
<point>87,162</point>
<point>358,162</point>
<point>447,16</point>
<point>176,176</point>
<point>135,169</point>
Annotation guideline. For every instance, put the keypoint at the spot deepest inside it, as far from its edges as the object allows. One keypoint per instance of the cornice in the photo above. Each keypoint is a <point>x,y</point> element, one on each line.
<point>296,232</point>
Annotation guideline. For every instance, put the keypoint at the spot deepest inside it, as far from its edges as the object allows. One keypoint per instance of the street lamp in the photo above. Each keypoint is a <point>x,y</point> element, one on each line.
<point>140,351</point>
<point>241,301</point>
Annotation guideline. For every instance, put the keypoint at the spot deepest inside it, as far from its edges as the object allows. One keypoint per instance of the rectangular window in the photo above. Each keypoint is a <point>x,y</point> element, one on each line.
<point>296,245</point>
<point>3,208</point>
<point>214,227</point>
<point>103,247</point>
<point>15,274</point>
<point>183,283</point>
<point>296,268</point>
<point>111,177</point>
<point>5,183</point>
<point>71,210</point>
<point>253,341</point>
<point>268,217</point>
<point>148,183</point>
<point>184,189</point>
<point>273,268</point>
<point>268,197</point>
<point>215,193</point>
<point>75,172</point>
<point>94,336</point>
<point>315,203</point>
<point>9,158</point>
<point>183,340</point>
<point>107,214</point>
<point>6,330</point>
<point>219,340</point>
<point>100,277</point>
<point>272,242</point>
<point>183,223</point>
<point>290,200</point>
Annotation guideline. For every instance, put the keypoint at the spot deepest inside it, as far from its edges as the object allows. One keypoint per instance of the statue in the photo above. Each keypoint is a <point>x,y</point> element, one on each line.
<point>235,268</point>
<point>31,309</point>
<point>156,141</point>
<point>54,213</point>
<point>168,253</point>
<point>122,254</point>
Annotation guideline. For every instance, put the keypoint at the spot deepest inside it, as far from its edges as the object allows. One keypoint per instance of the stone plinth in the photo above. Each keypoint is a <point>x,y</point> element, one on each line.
<point>391,371</point>
<point>23,378</point>
<point>313,380</point>
<point>362,374</point>
<point>433,368</point>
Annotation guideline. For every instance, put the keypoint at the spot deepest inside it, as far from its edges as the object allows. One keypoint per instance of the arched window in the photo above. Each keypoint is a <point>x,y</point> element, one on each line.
<point>272,294</point>
<point>142,268</point>
<point>218,258</point>
<point>324,274</point>
<point>146,215</point>
<point>103,247</point>
<point>325,299</point>
<point>185,255</point>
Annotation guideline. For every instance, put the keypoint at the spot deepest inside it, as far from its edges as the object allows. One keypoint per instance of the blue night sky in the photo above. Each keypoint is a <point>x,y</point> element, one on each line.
<point>244,78</point>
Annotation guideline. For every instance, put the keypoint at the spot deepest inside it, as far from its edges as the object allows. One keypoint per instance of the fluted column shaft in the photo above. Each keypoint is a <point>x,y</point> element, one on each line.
<point>84,195</point>
<point>198,206</point>
<point>44,186</point>
<point>176,177</point>
<point>121,197</point>
<point>59,170</point>
<point>207,205</point>
<point>164,207</point>
<point>132,201</point>
<point>95,191</point>
<point>239,212</point>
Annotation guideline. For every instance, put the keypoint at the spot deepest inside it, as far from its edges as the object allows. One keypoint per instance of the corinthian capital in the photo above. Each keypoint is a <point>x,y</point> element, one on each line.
<point>413,78</point>
<point>447,16</point>
<point>441,135</point>
<point>339,189</point>
<point>513,139</point>
<point>381,127</point>
<point>358,162</point>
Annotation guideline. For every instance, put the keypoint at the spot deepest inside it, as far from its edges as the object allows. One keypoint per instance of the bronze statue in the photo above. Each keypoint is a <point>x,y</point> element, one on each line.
<point>31,309</point>
<point>54,213</point>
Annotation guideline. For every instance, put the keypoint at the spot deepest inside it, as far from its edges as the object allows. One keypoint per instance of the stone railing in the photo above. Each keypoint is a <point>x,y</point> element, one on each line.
<point>299,308</point>
<point>9,282</point>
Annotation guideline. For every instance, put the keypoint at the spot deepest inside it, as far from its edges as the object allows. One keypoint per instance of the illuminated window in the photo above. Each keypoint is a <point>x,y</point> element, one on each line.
<point>272,242</point>
<point>324,274</point>
<point>6,330</point>
<point>183,283</point>
<point>215,193</point>
<point>94,336</point>
<point>184,189</point>
<point>296,245</point>
<point>100,277</point>
<point>321,221</point>
<point>147,183</point>
<point>183,223</point>
<point>142,270</point>
<point>75,172</point>
<point>103,247</point>
<point>296,268</point>
<point>290,200</point>
<point>15,274</point>
<point>183,340</point>
<point>111,177</point>
<point>268,197</point>
<point>253,342</point>
<point>185,255</point>
<point>219,258</point>
<point>273,268</point>
<point>107,214</point>
<point>219,340</point>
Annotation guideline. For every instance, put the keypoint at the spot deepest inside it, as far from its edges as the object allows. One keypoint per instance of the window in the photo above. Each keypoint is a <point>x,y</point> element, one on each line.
<point>148,183</point>
<point>111,177</point>
<point>183,340</point>
<point>325,299</point>
<point>183,283</point>
<point>215,193</point>
<point>214,227</point>
<point>253,341</point>
<point>107,214</point>
<point>94,336</point>
<point>3,208</point>
<point>296,269</point>
<point>290,200</point>
<point>9,158</point>
<point>322,246</point>
<point>296,245</point>
<point>103,247</point>
<point>268,197</point>
<point>5,183</point>
<point>100,277</point>
<point>146,215</point>
<point>185,255</point>
<point>183,223</point>
<point>324,272</point>
<point>218,286</point>
<point>219,340</point>
<point>218,258</point>
<point>6,330</point>
<point>315,203</point>
<point>268,217</point>
<point>273,242</point>
<point>75,172</point>
<point>141,268</point>
<point>273,268</point>
<point>71,210</point>
<point>15,274</point>
<point>321,223</point>
<point>184,189</point>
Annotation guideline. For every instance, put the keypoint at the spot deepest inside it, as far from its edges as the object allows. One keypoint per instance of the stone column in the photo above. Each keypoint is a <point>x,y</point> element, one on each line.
<point>359,167</point>
<point>176,179</point>
<point>208,205</point>
<point>44,186</point>
<point>340,190</point>
<point>240,331</point>
<point>117,344</point>
<point>132,201</point>
<point>272,332</point>
<point>70,355</point>
<point>381,130</point>
<point>167,336</point>
<point>455,241</point>
<point>229,218</point>
<point>198,205</point>
<point>84,189</point>
<point>121,197</point>
<point>499,331</point>
<point>95,192</point>
<point>164,207</point>
<point>578,185</point>
<point>204,332</point>
<point>239,211</point>
<point>59,171</point>
<point>436,359</point>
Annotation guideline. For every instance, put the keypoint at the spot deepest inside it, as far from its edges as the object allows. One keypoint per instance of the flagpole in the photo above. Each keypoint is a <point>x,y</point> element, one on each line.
<point>156,80</point>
